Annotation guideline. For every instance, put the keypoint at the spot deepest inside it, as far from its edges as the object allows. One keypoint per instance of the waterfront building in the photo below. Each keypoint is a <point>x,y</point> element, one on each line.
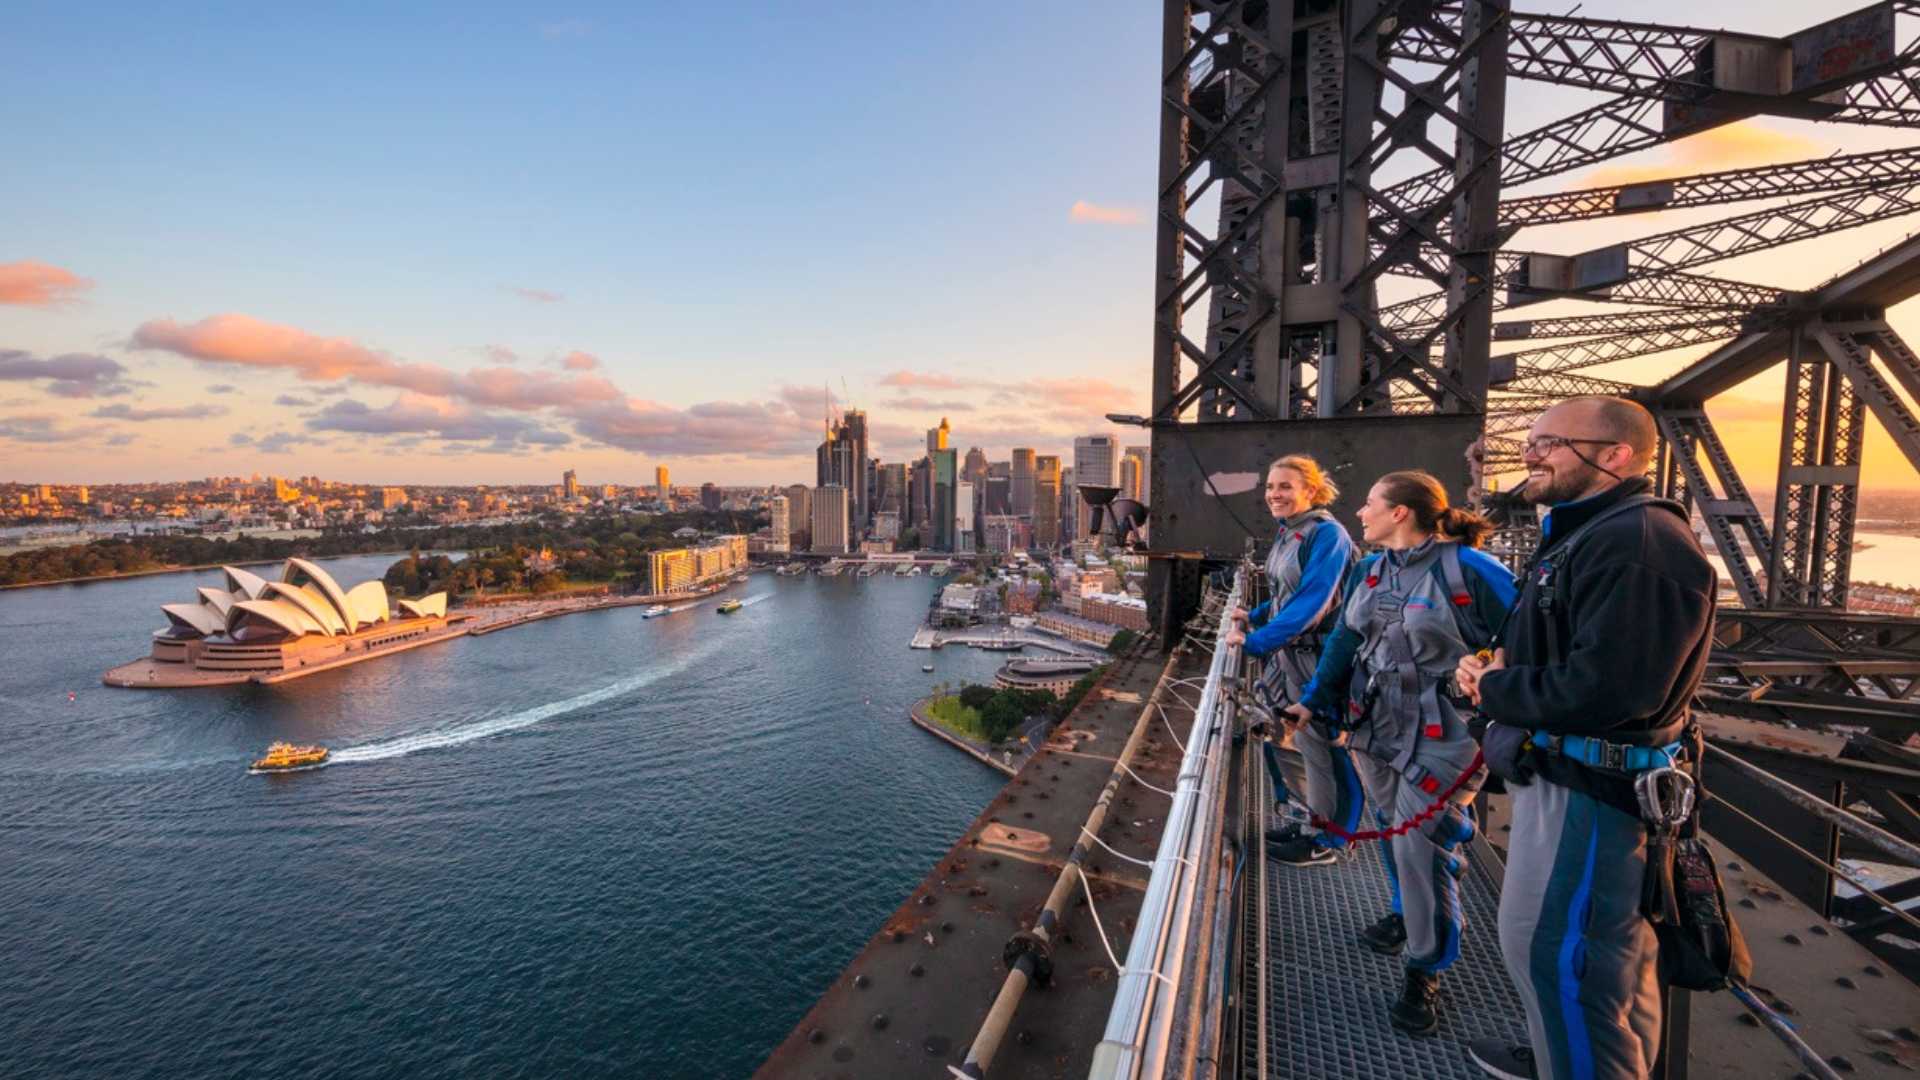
<point>779,532</point>
<point>799,509</point>
<point>1020,491</point>
<point>1005,533</point>
<point>1074,628</point>
<point>256,626</point>
<point>669,570</point>
<point>945,512</point>
<point>1046,501</point>
<point>1096,463</point>
<point>569,485</point>
<point>886,526</point>
<point>674,569</point>
<point>1056,677</point>
<point>832,513</point>
<point>1115,609</point>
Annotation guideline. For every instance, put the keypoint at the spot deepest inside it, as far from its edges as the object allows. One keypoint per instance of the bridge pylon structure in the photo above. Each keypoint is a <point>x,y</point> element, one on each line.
<point>1343,264</point>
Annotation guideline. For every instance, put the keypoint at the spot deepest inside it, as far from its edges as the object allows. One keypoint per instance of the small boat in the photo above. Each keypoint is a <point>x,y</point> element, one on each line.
<point>729,607</point>
<point>926,667</point>
<point>286,757</point>
<point>655,610</point>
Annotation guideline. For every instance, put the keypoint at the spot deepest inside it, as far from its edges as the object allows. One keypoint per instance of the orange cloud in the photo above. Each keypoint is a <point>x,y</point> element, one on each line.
<point>36,284</point>
<point>579,361</point>
<point>249,342</point>
<point>928,380</point>
<point>1094,214</point>
<point>1735,146</point>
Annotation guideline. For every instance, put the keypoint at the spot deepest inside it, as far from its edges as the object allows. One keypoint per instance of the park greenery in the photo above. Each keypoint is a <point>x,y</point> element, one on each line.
<point>605,548</point>
<point>994,715</point>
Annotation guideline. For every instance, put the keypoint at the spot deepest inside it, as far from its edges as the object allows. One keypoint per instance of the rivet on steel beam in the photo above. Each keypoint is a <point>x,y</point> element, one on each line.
<point>1024,1037</point>
<point>879,1021</point>
<point>1792,939</point>
<point>1819,930</point>
<point>926,900</point>
<point>947,926</point>
<point>862,981</point>
<point>917,970</point>
<point>1874,971</point>
<point>1846,982</point>
<point>816,1036</point>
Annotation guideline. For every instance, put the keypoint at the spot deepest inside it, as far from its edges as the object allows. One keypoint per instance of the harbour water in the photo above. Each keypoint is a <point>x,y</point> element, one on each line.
<point>599,845</point>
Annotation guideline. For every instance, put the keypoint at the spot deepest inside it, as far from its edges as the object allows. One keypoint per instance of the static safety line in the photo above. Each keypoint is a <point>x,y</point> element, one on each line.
<point>1782,1029</point>
<point>1144,784</point>
<point>1148,863</point>
<point>1170,732</point>
<point>1832,868</point>
<point>1411,823</point>
<point>1118,968</point>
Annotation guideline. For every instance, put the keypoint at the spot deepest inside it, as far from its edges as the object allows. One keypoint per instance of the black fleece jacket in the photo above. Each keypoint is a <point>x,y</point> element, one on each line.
<point>1635,615</point>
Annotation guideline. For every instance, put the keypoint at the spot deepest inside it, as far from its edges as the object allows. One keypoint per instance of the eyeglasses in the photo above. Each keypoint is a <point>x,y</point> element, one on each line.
<point>1542,445</point>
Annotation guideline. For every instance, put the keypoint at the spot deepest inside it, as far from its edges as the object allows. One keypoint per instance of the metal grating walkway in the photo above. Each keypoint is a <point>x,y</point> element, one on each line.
<point>1325,1013</point>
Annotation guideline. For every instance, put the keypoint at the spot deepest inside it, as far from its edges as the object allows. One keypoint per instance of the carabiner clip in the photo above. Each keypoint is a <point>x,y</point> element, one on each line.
<point>1666,796</point>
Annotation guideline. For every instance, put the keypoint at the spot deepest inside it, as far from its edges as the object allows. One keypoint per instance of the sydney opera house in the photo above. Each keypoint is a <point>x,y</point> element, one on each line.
<point>256,627</point>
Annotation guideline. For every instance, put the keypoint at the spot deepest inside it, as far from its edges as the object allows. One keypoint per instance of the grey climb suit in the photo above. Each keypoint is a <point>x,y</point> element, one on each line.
<point>1409,618</point>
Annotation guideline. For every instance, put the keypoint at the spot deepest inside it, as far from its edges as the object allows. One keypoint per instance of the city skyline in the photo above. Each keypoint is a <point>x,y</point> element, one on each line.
<point>484,263</point>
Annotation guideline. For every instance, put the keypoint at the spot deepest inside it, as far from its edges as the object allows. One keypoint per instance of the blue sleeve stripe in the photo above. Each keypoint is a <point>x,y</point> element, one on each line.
<point>1491,571</point>
<point>1326,558</point>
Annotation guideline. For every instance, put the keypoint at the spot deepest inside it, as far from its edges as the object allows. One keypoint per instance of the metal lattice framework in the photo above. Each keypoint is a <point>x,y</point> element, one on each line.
<point>1334,241</point>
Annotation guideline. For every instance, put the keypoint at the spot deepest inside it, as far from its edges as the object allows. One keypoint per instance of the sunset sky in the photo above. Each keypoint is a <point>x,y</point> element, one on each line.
<point>482,243</point>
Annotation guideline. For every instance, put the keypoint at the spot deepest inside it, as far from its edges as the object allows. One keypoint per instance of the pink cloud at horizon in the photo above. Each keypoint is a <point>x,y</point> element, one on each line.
<point>1088,213</point>
<point>37,284</point>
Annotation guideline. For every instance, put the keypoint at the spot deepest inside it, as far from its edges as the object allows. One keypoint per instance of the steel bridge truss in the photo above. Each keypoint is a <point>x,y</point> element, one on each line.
<point>1319,155</point>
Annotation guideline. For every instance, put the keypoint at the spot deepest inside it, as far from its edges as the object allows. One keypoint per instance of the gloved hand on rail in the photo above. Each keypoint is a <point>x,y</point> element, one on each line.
<point>1506,749</point>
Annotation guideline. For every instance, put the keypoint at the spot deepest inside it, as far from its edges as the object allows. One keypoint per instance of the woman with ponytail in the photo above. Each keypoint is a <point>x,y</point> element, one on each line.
<point>1412,611</point>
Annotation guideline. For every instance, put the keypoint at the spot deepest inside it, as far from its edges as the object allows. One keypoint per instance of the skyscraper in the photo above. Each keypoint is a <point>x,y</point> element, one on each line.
<point>799,509</point>
<point>570,484</point>
<point>1138,454</point>
<point>937,437</point>
<point>662,488</point>
<point>1069,507</point>
<point>777,524</point>
<point>842,459</point>
<point>1046,501</point>
<point>920,499</point>
<point>831,509</point>
<point>1020,494</point>
<point>963,517</point>
<point>974,470</point>
<point>1130,477</point>
<point>1096,462</point>
<point>945,468</point>
<point>709,496</point>
<point>890,486</point>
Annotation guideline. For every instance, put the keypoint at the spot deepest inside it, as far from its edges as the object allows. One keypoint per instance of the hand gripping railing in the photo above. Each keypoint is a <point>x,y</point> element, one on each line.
<point>1157,982</point>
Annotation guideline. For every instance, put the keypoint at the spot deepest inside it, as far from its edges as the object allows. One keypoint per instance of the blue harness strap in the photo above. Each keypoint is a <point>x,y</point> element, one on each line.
<point>1600,754</point>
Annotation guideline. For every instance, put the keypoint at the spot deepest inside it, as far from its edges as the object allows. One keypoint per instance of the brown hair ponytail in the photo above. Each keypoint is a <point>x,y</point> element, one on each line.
<point>1423,496</point>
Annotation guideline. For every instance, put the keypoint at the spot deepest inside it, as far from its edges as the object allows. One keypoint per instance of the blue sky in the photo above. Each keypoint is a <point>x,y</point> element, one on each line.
<point>724,208</point>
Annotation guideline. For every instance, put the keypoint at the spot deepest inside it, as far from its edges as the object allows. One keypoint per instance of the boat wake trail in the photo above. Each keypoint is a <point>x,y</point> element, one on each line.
<point>482,729</point>
<point>749,601</point>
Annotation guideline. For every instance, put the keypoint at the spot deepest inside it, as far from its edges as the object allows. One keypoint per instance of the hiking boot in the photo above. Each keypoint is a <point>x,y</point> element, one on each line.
<point>1418,1010</point>
<point>1502,1059</point>
<point>1387,936</point>
<point>1303,851</point>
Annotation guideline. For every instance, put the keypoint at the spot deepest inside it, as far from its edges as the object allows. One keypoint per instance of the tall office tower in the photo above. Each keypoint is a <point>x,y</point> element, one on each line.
<point>799,508</point>
<point>831,510</point>
<point>1046,501</point>
<point>842,459</point>
<point>1070,521</point>
<point>570,484</point>
<point>997,498</point>
<point>963,517</point>
<point>890,489</point>
<point>709,496</point>
<point>937,437</point>
<point>777,521</point>
<point>945,469</point>
<point>920,498</point>
<point>1021,493</point>
<point>975,468</point>
<point>662,488</point>
<point>1138,454</point>
<point>1096,461</point>
<point>1130,477</point>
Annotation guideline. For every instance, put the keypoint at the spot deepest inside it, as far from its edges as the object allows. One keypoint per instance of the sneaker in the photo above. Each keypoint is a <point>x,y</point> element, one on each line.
<point>1303,851</point>
<point>1502,1059</point>
<point>1418,1010</point>
<point>1387,936</point>
<point>1284,833</point>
